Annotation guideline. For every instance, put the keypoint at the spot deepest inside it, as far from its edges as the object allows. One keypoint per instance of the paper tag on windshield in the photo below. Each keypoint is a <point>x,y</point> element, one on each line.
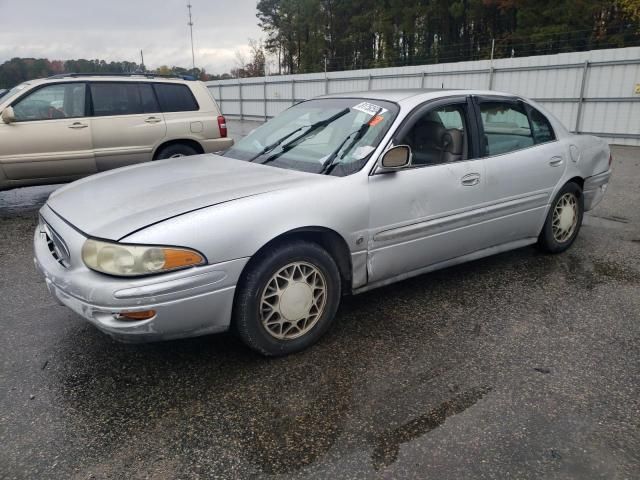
<point>369,108</point>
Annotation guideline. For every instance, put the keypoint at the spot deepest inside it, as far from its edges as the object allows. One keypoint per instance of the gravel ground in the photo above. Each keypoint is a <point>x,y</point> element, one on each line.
<point>522,365</point>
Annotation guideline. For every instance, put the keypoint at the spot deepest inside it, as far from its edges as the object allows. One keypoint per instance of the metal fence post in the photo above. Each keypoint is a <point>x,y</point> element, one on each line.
<point>491,69</point>
<point>293,91</point>
<point>326,85</point>
<point>264,94</point>
<point>369,83</point>
<point>240,98</point>
<point>585,69</point>
<point>422,80</point>
<point>220,98</point>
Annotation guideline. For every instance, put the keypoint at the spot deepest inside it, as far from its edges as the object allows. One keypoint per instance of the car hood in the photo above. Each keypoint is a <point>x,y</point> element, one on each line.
<point>113,204</point>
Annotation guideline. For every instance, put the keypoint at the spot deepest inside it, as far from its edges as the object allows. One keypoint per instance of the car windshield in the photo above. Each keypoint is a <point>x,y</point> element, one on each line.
<point>334,136</point>
<point>6,94</point>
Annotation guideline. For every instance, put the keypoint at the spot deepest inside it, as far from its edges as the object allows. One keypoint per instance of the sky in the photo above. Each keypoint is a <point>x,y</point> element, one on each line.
<point>119,29</point>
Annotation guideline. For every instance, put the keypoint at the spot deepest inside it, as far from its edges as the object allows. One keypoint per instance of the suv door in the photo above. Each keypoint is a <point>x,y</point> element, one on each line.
<point>51,136</point>
<point>127,123</point>
<point>523,165</point>
<point>431,212</point>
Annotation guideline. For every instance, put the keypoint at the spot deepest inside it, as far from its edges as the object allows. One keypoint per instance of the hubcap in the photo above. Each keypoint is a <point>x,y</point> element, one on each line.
<point>293,300</point>
<point>565,217</point>
<point>177,155</point>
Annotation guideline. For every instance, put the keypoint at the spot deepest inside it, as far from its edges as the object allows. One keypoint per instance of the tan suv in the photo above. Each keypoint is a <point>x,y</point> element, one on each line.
<point>65,127</point>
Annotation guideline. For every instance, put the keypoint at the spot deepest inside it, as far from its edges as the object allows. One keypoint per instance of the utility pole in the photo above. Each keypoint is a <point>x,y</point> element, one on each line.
<point>193,57</point>
<point>142,62</point>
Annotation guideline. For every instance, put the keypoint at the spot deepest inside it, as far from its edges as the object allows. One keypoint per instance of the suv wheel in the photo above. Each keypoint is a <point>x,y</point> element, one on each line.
<point>288,299</point>
<point>176,150</point>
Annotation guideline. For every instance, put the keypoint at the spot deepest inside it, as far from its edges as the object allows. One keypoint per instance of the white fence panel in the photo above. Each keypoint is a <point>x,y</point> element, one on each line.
<point>590,92</point>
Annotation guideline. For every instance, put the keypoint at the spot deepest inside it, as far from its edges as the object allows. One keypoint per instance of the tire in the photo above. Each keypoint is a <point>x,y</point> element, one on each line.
<point>176,150</point>
<point>563,220</point>
<point>287,299</point>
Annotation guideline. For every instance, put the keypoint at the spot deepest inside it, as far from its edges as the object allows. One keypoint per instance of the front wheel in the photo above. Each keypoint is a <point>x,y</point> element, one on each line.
<point>287,299</point>
<point>563,220</point>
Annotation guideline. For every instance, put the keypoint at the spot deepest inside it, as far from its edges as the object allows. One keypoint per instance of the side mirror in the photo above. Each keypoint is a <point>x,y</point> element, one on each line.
<point>395,158</point>
<point>8,115</point>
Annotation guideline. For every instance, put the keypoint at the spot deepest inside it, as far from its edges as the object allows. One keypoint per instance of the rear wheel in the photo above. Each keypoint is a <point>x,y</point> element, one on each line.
<point>288,299</point>
<point>563,220</point>
<point>176,150</point>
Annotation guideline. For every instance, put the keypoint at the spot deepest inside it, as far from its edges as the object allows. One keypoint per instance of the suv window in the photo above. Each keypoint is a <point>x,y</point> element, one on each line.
<point>62,100</point>
<point>506,127</point>
<point>542,131</point>
<point>439,136</point>
<point>175,97</point>
<point>120,98</point>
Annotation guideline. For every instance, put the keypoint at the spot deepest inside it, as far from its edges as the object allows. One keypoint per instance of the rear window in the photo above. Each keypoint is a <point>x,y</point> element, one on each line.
<point>175,98</point>
<point>119,98</point>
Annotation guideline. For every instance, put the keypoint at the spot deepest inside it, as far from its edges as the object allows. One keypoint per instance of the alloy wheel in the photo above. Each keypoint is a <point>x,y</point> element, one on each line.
<point>565,217</point>
<point>293,300</point>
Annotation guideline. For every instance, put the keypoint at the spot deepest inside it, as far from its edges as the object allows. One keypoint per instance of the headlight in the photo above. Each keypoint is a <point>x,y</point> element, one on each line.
<point>134,260</point>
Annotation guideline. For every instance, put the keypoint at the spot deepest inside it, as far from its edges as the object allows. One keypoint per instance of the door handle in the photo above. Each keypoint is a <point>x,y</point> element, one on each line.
<point>556,161</point>
<point>470,180</point>
<point>77,125</point>
<point>153,120</point>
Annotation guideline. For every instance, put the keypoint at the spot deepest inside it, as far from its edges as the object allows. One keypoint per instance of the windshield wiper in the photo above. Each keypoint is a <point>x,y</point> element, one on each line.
<point>273,145</point>
<point>291,143</point>
<point>329,164</point>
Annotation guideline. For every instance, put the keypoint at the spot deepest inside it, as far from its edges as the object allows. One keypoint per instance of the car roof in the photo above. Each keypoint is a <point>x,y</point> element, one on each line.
<point>412,95</point>
<point>110,78</point>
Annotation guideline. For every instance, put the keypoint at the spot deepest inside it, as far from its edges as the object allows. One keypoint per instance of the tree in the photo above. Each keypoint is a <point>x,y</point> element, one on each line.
<point>306,35</point>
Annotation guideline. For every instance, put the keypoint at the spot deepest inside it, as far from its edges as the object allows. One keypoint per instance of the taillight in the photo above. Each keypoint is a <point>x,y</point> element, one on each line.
<point>222,126</point>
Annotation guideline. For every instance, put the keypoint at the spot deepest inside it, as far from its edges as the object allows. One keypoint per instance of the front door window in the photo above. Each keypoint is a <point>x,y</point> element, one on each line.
<point>63,100</point>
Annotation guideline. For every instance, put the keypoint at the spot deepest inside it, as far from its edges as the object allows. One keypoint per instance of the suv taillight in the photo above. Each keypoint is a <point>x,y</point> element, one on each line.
<point>222,126</point>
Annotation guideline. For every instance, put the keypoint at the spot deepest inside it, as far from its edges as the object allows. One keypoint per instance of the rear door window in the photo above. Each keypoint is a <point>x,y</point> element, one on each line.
<point>119,98</point>
<point>506,127</point>
<point>542,131</point>
<point>175,98</point>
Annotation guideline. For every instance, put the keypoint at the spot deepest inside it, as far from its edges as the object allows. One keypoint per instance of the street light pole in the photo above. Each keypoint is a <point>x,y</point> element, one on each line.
<point>193,57</point>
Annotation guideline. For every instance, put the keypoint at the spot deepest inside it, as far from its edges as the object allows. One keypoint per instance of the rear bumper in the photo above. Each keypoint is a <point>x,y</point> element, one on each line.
<point>216,144</point>
<point>188,303</point>
<point>595,188</point>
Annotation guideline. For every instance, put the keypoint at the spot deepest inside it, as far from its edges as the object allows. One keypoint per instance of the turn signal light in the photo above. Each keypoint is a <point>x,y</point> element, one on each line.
<point>143,315</point>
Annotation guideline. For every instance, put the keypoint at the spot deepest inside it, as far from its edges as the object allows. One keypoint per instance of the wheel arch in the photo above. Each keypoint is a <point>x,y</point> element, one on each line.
<point>577,180</point>
<point>178,141</point>
<point>325,237</point>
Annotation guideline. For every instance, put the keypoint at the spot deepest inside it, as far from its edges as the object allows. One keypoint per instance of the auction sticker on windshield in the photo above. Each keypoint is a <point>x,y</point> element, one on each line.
<point>370,108</point>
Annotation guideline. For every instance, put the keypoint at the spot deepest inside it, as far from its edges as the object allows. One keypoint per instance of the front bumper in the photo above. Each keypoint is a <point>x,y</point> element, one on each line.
<point>188,303</point>
<point>595,188</point>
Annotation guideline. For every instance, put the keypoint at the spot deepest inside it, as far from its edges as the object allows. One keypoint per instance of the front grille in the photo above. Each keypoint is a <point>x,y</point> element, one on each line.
<point>56,244</point>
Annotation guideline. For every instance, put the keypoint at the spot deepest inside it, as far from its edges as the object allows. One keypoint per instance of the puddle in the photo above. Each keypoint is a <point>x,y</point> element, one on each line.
<point>594,272</point>
<point>20,201</point>
<point>387,445</point>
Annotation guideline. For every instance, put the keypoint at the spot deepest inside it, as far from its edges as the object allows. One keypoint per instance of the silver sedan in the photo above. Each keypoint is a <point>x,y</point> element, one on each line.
<point>336,195</point>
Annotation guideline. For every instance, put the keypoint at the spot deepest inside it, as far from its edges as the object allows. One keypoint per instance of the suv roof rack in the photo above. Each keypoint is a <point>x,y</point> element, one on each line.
<point>134,74</point>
